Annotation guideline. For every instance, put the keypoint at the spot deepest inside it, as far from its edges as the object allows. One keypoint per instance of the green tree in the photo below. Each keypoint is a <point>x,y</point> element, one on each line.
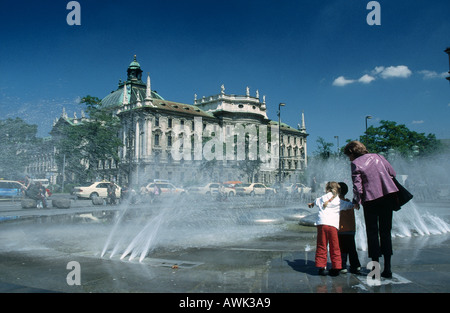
<point>83,145</point>
<point>249,167</point>
<point>389,135</point>
<point>17,141</point>
<point>324,148</point>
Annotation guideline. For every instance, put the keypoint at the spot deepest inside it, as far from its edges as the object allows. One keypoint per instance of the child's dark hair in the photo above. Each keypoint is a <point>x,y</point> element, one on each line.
<point>344,188</point>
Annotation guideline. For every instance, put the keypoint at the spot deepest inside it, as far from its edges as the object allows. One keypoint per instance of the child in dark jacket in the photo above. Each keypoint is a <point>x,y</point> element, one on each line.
<point>346,234</point>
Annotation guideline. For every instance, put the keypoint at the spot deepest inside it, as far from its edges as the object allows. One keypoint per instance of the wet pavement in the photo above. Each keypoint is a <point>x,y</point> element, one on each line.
<point>38,244</point>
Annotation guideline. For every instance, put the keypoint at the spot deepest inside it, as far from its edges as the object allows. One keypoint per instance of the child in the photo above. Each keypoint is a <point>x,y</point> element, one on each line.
<point>327,228</point>
<point>346,235</point>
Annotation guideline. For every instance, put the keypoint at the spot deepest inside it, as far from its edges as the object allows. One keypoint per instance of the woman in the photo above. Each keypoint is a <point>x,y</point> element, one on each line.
<point>374,188</point>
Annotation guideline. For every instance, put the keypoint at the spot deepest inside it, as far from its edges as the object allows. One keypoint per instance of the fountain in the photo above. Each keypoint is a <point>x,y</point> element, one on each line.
<point>147,230</point>
<point>181,223</point>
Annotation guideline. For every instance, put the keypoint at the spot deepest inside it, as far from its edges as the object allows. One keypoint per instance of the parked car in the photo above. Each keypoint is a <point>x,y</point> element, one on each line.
<point>97,189</point>
<point>11,189</point>
<point>297,188</point>
<point>254,189</point>
<point>230,187</point>
<point>208,189</point>
<point>167,189</point>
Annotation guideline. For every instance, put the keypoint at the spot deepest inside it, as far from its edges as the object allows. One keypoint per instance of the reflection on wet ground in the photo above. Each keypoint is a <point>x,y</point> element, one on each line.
<point>220,250</point>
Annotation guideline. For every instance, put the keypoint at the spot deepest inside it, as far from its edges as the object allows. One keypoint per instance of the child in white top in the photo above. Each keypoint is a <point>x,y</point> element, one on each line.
<point>327,227</point>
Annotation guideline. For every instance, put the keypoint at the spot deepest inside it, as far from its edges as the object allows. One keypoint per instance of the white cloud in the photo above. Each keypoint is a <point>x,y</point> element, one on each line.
<point>400,71</point>
<point>432,74</point>
<point>342,81</point>
<point>418,122</point>
<point>366,79</point>
<point>377,70</point>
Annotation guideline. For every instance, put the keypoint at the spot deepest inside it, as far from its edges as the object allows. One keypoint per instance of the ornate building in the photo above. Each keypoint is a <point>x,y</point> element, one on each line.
<point>217,138</point>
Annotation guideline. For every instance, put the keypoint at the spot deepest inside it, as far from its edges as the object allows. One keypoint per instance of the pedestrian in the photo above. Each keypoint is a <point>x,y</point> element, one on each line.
<point>346,235</point>
<point>125,192</point>
<point>42,194</point>
<point>27,184</point>
<point>112,193</point>
<point>374,189</point>
<point>157,190</point>
<point>143,190</point>
<point>327,228</point>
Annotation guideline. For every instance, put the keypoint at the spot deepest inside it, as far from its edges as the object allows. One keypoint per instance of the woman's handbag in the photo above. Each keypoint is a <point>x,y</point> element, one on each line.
<point>403,195</point>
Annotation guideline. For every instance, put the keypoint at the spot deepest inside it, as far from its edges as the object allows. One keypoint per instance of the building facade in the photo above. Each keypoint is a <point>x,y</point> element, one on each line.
<point>218,138</point>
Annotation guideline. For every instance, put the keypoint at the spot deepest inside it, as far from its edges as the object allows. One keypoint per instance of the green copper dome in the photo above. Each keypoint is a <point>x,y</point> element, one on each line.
<point>136,88</point>
<point>115,98</point>
<point>135,64</point>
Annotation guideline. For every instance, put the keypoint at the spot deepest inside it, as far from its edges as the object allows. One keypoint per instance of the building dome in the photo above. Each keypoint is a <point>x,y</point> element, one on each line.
<point>115,98</point>
<point>134,64</point>
<point>136,88</point>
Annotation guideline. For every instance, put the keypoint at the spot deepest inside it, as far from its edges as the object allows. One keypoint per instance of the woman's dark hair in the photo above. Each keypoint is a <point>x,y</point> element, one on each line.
<point>355,148</point>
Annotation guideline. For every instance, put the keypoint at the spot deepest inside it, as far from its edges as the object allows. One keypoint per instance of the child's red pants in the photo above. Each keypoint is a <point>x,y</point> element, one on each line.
<point>328,235</point>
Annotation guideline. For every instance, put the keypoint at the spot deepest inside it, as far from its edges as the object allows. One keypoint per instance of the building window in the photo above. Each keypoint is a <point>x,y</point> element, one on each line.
<point>169,122</point>
<point>169,141</point>
<point>156,139</point>
<point>157,121</point>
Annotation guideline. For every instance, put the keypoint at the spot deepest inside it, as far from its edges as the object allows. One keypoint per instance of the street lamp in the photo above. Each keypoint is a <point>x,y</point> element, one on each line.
<point>337,138</point>
<point>448,52</point>
<point>367,117</point>
<point>279,141</point>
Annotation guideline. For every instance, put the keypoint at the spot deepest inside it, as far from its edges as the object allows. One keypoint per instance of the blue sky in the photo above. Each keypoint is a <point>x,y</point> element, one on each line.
<point>320,57</point>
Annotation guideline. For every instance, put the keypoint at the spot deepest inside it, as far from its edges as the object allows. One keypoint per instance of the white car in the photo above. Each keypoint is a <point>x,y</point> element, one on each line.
<point>297,188</point>
<point>166,189</point>
<point>229,189</point>
<point>254,189</point>
<point>97,189</point>
<point>208,189</point>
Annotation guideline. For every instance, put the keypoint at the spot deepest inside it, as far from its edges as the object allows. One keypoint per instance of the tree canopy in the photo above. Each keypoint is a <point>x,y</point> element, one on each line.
<point>389,135</point>
<point>18,141</point>
<point>85,144</point>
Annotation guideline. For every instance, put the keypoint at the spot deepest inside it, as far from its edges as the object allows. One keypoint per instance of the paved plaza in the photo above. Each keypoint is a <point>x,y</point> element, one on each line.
<point>37,246</point>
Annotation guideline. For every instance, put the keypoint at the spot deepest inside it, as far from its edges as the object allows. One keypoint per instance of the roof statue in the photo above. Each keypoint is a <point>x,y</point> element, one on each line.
<point>125,94</point>
<point>148,90</point>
